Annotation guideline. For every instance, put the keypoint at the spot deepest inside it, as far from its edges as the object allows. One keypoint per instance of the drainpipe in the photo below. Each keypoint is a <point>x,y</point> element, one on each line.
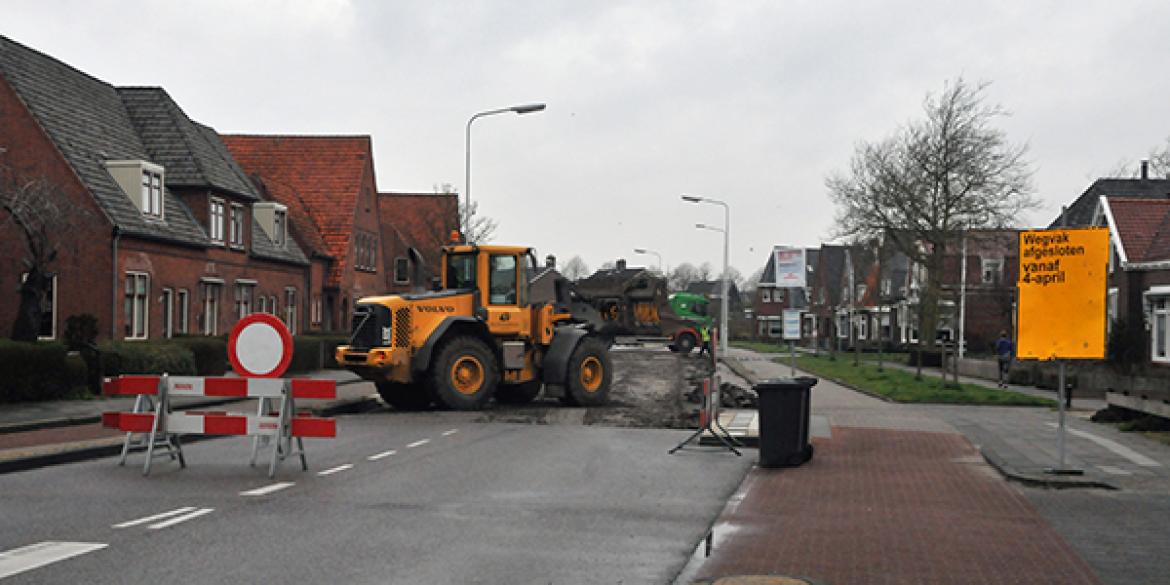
<point>114,290</point>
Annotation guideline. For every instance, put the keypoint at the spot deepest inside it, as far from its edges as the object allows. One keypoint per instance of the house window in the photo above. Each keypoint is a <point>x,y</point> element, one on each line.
<point>992,270</point>
<point>887,285</point>
<point>48,326</point>
<point>279,227</point>
<point>215,220</point>
<point>861,290</point>
<point>401,270</point>
<point>778,295</point>
<point>168,312</point>
<point>184,310</point>
<point>290,309</point>
<point>862,326</point>
<point>315,311</point>
<point>365,252</point>
<point>236,231</point>
<point>136,290</point>
<point>843,326</point>
<point>1110,308</point>
<point>152,201</point>
<point>261,304</point>
<point>211,294</point>
<point>272,308</point>
<point>243,298</point>
<point>766,295</point>
<point>1160,307</point>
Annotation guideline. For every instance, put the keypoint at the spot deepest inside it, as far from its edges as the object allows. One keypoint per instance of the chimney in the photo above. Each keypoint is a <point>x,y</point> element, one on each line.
<point>621,264</point>
<point>550,261</point>
<point>1145,170</point>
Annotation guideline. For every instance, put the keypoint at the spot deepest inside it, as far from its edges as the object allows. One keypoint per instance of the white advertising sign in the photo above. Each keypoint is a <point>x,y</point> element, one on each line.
<point>791,324</point>
<point>790,267</point>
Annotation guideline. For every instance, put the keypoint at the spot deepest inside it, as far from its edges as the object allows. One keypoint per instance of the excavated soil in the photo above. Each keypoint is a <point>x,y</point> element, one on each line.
<point>651,388</point>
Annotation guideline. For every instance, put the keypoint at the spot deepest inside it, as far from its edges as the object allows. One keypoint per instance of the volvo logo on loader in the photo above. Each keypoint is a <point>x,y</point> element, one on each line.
<point>435,309</point>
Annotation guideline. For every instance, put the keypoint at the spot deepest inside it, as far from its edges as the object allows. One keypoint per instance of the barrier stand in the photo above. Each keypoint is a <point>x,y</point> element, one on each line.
<point>162,426</point>
<point>708,420</point>
<point>150,440</point>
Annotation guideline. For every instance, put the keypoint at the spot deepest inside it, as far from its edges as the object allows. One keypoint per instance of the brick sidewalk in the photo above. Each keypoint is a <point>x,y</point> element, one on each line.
<point>879,506</point>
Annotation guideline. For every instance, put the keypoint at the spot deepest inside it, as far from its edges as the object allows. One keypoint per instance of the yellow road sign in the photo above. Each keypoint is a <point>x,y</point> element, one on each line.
<point>1062,293</point>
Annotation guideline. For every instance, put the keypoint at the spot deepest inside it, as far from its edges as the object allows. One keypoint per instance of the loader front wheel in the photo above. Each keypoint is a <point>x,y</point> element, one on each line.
<point>686,342</point>
<point>404,397</point>
<point>465,374</point>
<point>590,374</point>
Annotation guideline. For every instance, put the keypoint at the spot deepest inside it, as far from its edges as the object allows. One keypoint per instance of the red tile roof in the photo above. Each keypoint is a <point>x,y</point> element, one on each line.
<point>422,220</point>
<point>319,178</point>
<point>1143,226</point>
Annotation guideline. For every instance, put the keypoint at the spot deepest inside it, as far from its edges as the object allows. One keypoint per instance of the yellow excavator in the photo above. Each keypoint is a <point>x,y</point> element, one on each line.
<point>496,325</point>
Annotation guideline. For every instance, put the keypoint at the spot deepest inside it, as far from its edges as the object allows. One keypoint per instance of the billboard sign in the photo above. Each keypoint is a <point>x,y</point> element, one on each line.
<point>790,267</point>
<point>1062,282</point>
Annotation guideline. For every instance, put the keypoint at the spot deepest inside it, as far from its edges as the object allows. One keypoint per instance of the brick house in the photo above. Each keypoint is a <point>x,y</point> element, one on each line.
<point>327,184</point>
<point>414,228</point>
<point>172,238</point>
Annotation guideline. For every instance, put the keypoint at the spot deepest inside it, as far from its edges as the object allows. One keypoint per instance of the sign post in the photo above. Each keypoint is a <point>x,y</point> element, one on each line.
<point>792,333</point>
<point>1062,280</point>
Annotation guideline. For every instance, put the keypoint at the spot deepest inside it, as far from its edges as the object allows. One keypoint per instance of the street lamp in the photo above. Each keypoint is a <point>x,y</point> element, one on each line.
<point>645,251</point>
<point>521,109</point>
<point>724,325</point>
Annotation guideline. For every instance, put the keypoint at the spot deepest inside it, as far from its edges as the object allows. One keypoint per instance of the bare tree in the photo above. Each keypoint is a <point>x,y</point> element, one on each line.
<point>932,179</point>
<point>1158,160</point>
<point>45,221</point>
<point>474,227</point>
<point>575,269</point>
<point>682,276</point>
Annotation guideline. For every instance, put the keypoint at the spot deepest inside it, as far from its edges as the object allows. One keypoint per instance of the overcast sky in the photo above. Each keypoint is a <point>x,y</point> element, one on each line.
<point>753,103</point>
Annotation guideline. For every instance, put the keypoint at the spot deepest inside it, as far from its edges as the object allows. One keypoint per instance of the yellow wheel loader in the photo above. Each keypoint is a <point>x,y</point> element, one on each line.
<point>496,326</point>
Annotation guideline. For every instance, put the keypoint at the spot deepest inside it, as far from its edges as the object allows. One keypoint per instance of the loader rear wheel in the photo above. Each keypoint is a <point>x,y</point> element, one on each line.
<point>465,374</point>
<point>590,374</point>
<point>686,342</point>
<point>404,396</point>
<point>521,393</point>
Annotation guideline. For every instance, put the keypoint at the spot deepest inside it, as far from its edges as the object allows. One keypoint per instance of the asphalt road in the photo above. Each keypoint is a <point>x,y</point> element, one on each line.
<point>429,498</point>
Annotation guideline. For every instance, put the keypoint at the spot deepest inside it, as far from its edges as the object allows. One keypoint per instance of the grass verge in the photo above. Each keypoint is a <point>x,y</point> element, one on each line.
<point>901,386</point>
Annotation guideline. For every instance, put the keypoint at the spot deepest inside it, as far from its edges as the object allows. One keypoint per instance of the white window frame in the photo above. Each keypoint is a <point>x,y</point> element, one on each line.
<point>261,304</point>
<point>273,309</point>
<point>862,327</point>
<point>184,310</point>
<point>766,295</point>
<point>1159,311</point>
<point>216,216</point>
<point>136,306</point>
<point>168,312</point>
<point>991,270</point>
<point>280,226</point>
<point>315,311</point>
<point>290,309</point>
<point>236,225</point>
<point>210,310</point>
<point>152,197</point>
<point>243,291</point>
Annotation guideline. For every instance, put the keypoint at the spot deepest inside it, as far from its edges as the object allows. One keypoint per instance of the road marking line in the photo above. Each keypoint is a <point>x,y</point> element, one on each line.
<point>263,491</point>
<point>381,455</point>
<point>153,518</point>
<point>1116,447</point>
<point>450,432</point>
<point>1114,470</point>
<point>336,469</point>
<point>33,556</point>
<point>183,518</point>
<point>418,443</point>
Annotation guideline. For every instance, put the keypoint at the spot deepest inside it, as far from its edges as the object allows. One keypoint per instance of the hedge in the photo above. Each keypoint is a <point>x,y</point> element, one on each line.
<point>210,353</point>
<point>147,357</point>
<point>39,371</point>
<point>314,352</point>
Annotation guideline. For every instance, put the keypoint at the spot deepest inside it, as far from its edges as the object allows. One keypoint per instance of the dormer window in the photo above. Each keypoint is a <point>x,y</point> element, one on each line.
<point>143,182</point>
<point>152,193</point>
<point>215,217</point>
<point>273,219</point>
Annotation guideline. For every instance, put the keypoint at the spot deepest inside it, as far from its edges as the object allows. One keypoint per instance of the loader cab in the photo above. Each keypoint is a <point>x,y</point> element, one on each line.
<point>499,275</point>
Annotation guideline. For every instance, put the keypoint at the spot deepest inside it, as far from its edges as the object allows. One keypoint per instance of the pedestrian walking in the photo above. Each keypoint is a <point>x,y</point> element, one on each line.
<point>1003,351</point>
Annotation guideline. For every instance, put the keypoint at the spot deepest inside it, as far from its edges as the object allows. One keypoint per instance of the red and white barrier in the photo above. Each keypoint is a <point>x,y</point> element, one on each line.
<point>260,348</point>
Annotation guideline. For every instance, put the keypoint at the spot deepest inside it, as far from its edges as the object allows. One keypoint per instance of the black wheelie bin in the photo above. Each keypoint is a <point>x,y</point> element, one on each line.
<point>784,420</point>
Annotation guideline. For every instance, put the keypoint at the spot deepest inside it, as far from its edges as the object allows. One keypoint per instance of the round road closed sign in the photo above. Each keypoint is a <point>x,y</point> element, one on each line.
<point>260,346</point>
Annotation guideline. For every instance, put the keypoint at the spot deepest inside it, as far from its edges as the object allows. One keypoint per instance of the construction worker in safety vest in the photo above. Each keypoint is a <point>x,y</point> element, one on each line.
<point>705,332</point>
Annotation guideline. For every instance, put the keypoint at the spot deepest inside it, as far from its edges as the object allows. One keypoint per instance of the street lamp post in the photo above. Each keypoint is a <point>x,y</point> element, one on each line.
<point>645,251</point>
<point>724,325</point>
<point>522,109</point>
